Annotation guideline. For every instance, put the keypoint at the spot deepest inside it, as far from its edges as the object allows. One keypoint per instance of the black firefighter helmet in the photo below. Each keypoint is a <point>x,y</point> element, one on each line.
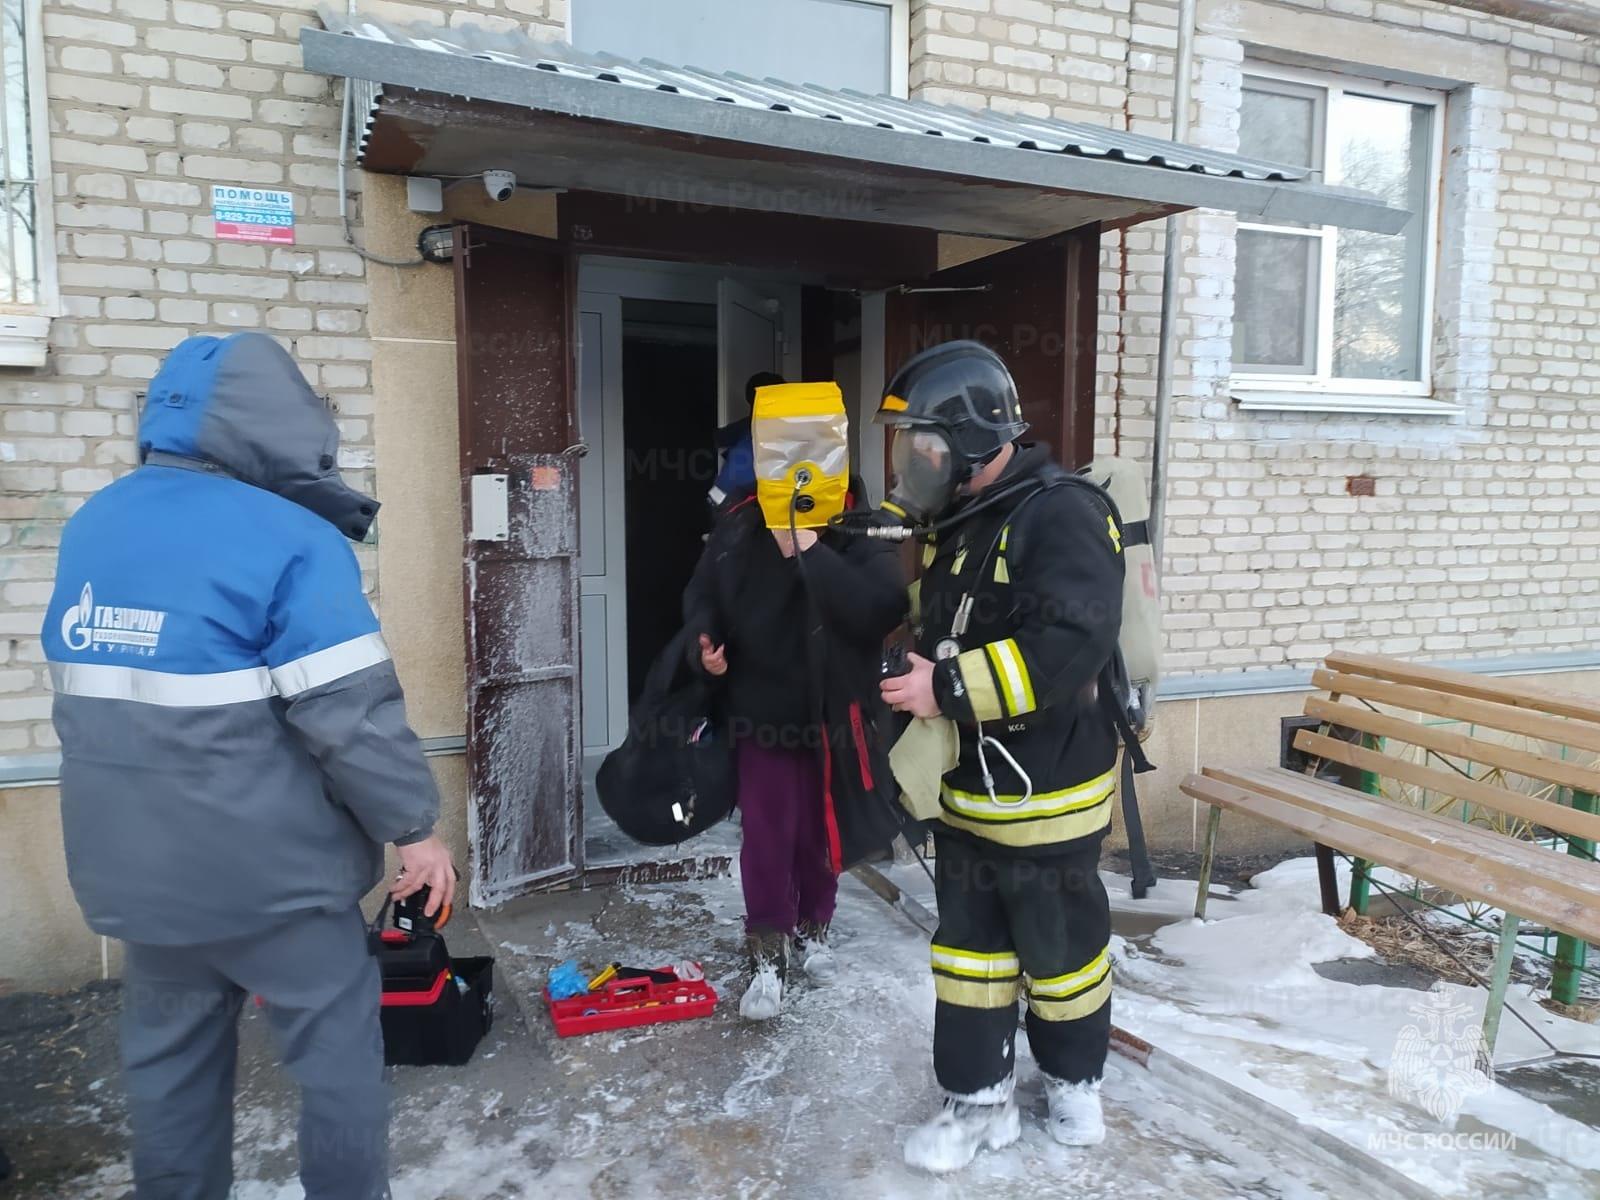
<point>954,407</point>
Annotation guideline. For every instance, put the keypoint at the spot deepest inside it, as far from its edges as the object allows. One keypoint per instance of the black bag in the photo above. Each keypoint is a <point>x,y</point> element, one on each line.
<point>861,800</point>
<point>446,1030</point>
<point>862,813</point>
<point>435,1009</point>
<point>673,776</point>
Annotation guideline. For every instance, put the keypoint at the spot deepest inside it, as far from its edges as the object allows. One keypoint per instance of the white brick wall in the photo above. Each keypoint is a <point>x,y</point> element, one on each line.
<point>1475,542</point>
<point>151,102</point>
<point>1480,540</point>
<point>1029,56</point>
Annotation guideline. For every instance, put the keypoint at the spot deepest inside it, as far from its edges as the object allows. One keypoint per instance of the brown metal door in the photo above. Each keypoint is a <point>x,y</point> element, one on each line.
<point>519,497</point>
<point>1036,305</point>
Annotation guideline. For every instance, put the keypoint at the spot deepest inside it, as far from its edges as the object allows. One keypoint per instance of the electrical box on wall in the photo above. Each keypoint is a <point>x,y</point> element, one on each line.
<point>491,508</point>
<point>424,195</point>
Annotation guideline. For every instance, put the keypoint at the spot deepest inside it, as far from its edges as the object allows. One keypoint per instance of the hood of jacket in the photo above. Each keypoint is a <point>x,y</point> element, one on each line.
<point>239,404</point>
<point>1031,458</point>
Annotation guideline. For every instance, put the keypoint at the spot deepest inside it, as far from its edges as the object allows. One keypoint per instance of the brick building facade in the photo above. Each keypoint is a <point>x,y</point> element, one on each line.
<point>1474,540</point>
<point>1456,525</point>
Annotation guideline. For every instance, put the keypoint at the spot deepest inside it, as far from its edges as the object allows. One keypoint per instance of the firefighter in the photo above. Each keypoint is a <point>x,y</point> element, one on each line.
<point>1018,610</point>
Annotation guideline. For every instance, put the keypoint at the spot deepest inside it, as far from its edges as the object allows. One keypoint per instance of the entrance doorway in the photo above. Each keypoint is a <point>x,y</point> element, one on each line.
<point>545,445</point>
<point>669,425</point>
<point>663,357</point>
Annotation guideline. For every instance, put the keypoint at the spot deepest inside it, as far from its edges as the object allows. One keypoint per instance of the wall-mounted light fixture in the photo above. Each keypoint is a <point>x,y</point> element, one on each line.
<point>437,243</point>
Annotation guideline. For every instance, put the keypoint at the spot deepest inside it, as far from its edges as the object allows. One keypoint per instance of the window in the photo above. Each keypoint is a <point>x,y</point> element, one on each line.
<point>27,252</point>
<point>860,44</point>
<point>1339,313</point>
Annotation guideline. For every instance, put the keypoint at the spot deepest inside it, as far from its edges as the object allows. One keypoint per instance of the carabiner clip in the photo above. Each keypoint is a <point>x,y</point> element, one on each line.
<point>988,776</point>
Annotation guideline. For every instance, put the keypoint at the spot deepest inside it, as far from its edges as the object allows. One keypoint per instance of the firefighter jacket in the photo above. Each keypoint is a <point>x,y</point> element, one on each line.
<point>1039,578</point>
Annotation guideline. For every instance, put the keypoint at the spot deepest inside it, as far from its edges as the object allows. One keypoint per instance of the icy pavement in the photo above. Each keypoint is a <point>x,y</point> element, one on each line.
<point>817,1103</point>
<point>1238,996</point>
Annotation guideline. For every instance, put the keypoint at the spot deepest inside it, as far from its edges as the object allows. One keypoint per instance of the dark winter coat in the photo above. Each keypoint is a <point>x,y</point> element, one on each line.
<point>804,639</point>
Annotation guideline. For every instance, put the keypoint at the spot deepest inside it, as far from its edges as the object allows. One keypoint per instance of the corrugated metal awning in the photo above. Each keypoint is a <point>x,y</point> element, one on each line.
<point>445,102</point>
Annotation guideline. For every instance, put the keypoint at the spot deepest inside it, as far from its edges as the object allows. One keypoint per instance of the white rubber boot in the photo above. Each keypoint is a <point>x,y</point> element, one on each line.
<point>1075,1115</point>
<point>814,953</point>
<point>769,962</point>
<point>962,1127</point>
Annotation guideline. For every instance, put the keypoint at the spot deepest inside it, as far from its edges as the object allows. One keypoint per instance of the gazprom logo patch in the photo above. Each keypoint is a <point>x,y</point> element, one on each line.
<point>109,629</point>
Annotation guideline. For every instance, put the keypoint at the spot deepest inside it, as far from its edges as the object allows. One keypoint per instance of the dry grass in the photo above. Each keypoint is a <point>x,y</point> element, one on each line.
<point>1397,940</point>
<point>1587,1011</point>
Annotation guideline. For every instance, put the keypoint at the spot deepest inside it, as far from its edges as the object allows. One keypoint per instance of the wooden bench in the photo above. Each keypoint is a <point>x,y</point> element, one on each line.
<point>1377,705</point>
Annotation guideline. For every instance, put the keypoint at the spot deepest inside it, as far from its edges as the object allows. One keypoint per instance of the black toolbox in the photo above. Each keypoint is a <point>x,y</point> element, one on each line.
<point>436,1009</point>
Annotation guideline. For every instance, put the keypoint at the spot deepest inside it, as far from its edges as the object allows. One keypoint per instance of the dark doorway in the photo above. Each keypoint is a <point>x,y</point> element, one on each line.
<point>669,396</point>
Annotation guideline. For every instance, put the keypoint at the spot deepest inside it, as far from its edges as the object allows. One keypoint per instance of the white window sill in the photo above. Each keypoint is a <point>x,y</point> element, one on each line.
<point>1265,399</point>
<point>24,339</point>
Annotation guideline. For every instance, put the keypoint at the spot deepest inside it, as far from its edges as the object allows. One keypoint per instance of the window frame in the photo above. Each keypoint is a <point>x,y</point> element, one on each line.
<point>1321,389</point>
<point>25,326</point>
<point>900,45</point>
<point>899,41</point>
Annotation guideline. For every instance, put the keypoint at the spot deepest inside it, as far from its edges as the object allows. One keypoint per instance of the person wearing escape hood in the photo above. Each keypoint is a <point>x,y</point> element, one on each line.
<point>235,755</point>
<point>736,472</point>
<point>793,624</point>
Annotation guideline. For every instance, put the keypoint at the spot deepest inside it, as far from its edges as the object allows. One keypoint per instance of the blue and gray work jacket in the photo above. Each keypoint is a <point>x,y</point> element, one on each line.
<point>233,736</point>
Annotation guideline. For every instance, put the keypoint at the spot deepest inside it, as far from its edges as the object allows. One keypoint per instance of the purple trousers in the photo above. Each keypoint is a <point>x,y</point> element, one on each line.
<point>784,860</point>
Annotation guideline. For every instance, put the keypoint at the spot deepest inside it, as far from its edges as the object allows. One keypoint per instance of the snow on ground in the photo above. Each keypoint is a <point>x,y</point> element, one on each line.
<point>1239,997</point>
<point>817,1103</point>
<point>1535,949</point>
<point>813,1105</point>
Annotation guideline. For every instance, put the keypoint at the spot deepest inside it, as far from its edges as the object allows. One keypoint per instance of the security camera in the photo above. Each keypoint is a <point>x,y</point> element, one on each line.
<point>501,185</point>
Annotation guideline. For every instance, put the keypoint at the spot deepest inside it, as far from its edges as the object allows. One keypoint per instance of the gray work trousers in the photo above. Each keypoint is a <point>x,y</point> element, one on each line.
<point>180,1011</point>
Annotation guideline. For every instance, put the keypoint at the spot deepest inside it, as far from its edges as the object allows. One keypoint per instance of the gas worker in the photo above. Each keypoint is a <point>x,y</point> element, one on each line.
<point>235,755</point>
<point>1017,612</point>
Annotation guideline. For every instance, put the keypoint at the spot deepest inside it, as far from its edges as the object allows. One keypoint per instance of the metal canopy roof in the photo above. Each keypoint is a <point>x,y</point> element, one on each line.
<point>460,101</point>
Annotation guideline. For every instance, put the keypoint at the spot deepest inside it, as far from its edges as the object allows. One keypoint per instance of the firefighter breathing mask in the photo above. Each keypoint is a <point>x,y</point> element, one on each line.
<point>802,453</point>
<point>928,473</point>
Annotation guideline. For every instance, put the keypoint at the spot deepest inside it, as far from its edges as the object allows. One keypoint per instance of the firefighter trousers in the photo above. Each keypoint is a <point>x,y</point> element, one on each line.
<point>1012,926</point>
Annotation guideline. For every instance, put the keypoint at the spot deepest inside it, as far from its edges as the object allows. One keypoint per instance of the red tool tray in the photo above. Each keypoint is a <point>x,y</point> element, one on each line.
<point>623,1003</point>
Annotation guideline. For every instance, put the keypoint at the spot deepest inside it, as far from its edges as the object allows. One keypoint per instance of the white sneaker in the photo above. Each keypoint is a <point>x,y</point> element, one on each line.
<point>814,953</point>
<point>1076,1118</point>
<point>953,1138</point>
<point>763,999</point>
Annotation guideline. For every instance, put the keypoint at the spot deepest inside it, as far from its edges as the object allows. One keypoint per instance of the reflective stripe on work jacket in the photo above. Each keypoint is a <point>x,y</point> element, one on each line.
<point>106,681</point>
<point>1045,818</point>
<point>997,681</point>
